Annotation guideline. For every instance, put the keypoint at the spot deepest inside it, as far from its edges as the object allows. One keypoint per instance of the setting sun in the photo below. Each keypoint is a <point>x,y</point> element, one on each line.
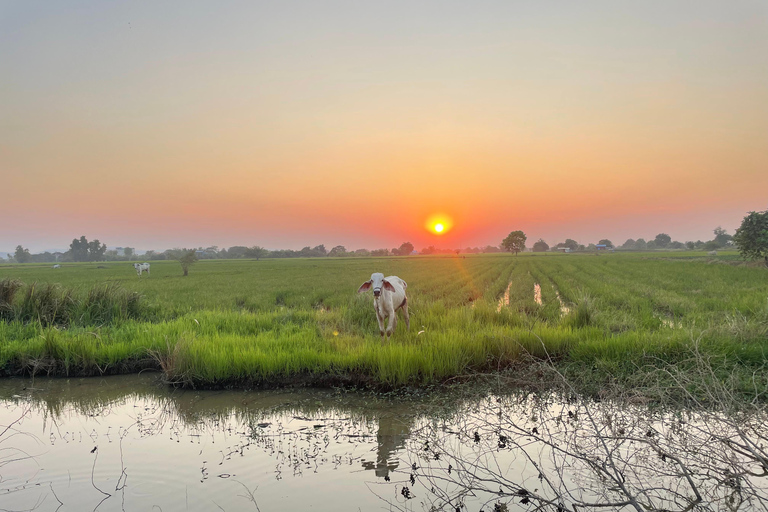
<point>438,224</point>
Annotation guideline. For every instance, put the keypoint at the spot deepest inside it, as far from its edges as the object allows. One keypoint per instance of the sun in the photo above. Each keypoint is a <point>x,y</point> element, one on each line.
<point>438,224</point>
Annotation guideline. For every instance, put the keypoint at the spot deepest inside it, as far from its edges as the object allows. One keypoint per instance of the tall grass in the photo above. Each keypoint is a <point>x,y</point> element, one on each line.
<point>49,304</point>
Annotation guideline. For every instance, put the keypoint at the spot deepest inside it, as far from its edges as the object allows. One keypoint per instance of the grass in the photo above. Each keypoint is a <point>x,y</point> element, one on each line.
<point>270,322</point>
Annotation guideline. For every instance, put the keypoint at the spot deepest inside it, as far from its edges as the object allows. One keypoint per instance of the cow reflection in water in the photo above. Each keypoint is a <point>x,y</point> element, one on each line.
<point>391,437</point>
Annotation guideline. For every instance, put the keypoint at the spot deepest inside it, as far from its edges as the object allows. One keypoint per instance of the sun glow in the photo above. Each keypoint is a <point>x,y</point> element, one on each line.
<point>439,224</point>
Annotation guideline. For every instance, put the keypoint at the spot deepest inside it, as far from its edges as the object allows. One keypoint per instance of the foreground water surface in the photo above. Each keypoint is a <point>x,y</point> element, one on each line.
<point>129,443</point>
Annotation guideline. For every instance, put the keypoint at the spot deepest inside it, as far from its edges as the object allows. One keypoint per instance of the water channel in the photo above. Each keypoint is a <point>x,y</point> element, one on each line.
<point>129,443</point>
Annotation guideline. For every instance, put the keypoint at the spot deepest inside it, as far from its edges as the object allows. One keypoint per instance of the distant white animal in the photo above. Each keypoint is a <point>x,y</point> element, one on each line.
<point>712,253</point>
<point>141,267</point>
<point>388,297</point>
<point>56,266</point>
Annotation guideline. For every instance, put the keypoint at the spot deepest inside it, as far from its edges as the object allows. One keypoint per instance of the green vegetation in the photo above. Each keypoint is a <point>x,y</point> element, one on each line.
<point>752,236</point>
<point>605,320</point>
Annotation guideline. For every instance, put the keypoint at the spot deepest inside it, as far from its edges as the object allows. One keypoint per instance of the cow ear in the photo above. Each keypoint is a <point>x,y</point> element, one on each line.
<point>388,286</point>
<point>363,287</point>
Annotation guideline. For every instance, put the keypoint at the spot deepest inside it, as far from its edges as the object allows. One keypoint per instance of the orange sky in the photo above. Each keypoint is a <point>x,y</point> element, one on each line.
<point>290,124</point>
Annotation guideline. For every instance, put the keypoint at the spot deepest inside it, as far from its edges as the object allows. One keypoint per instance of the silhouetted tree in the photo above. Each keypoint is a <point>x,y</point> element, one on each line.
<point>339,250</point>
<point>22,255</point>
<point>256,252</point>
<point>662,240</point>
<point>515,242</point>
<point>628,245</point>
<point>187,258</point>
<point>722,237</point>
<point>606,243</point>
<point>96,250</point>
<point>78,249</point>
<point>405,249</point>
<point>540,246</point>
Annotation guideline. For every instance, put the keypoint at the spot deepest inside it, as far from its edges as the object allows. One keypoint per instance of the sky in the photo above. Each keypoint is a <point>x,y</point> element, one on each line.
<point>284,124</point>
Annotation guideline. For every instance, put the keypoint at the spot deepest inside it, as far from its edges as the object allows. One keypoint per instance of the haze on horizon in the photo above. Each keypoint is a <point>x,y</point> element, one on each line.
<point>294,123</point>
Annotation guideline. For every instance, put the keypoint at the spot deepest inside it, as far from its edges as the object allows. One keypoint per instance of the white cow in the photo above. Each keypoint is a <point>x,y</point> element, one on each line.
<point>388,297</point>
<point>141,267</point>
<point>56,266</point>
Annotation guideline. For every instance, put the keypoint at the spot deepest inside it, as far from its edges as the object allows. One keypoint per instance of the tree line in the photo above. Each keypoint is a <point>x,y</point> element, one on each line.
<point>721,240</point>
<point>751,239</point>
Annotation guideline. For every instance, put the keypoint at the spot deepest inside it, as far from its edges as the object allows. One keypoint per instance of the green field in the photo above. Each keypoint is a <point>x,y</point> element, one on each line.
<point>605,319</point>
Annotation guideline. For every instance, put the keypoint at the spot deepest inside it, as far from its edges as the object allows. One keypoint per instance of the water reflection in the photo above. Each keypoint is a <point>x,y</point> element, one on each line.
<point>120,442</point>
<point>128,443</point>
<point>391,434</point>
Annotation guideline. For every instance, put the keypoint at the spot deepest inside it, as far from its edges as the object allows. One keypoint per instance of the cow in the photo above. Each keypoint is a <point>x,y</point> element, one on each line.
<point>56,266</point>
<point>141,267</point>
<point>388,297</point>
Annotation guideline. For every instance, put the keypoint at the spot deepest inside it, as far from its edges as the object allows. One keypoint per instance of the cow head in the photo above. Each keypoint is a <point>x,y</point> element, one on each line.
<point>378,283</point>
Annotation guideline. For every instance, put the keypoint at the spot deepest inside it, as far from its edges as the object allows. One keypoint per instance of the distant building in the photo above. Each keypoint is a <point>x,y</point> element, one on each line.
<point>563,249</point>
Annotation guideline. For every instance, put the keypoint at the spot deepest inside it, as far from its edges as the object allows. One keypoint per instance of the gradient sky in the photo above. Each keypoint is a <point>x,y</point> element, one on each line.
<point>293,123</point>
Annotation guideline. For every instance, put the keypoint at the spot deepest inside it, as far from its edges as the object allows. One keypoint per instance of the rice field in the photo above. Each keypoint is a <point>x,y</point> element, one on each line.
<point>605,319</point>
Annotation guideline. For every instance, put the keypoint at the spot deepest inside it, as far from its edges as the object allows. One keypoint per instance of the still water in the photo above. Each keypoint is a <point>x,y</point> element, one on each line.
<point>129,443</point>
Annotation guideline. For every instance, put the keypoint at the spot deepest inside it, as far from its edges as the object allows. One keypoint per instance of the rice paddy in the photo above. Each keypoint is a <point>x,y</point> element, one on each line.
<point>604,319</point>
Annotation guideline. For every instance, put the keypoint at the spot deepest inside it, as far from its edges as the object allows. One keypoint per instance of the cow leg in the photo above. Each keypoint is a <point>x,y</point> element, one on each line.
<point>392,323</point>
<point>381,323</point>
<point>405,314</point>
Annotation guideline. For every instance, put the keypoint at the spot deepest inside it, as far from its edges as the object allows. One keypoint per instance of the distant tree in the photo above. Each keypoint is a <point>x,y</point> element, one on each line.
<point>78,249</point>
<point>606,243</point>
<point>515,242</point>
<point>237,251</point>
<point>256,252</point>
<point>43,257</point>
<point>628,245</point>
<point>677,245</point>
<point>319,250</point>
<point>22,255</point>
<point>690,246</point>
<point>641,244</point>
<point>96,250</point>
<point>651,245</point>
<point>129,252</point>
<point>540,246</point>
<point>380,252</point>
<point>662,240</point>
<point>405,249</point>
<point>339,250</point>
<point>187,258</point>
<point>711,246</point>
<point>428,250</point>
<point>752,236</point>
<point>591,247</point>
<point>722,237</point>
<point>491,249</point>
<point>362,252</point>
<point>571,244</point>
